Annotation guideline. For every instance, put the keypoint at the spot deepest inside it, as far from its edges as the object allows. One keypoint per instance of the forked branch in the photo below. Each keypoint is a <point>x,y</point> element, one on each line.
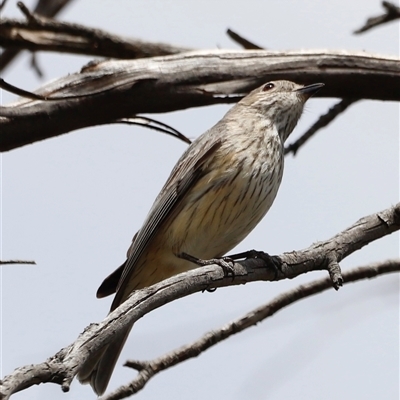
<point>148,369</point>
<point>63,367</point>
<point>392,12</point>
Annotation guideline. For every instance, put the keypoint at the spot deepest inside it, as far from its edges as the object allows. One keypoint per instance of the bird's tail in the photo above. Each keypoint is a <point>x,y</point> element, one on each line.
<point>98,368</point>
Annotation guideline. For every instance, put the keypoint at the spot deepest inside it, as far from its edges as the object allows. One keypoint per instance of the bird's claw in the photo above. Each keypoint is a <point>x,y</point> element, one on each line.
<point>271,261</point>
<point>226,263</point>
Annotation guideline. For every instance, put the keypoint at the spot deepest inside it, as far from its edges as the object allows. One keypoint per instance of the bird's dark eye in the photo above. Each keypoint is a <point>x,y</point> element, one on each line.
<point>268,86</point>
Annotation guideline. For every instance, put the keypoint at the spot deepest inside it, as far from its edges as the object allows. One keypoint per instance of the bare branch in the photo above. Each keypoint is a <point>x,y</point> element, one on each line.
<point>113,90</point>
<point>141,121</point>
<point>44,34</point>
<point>2,4</point>
<point>323,121</point>
<point>152,124</point>
<point>246,44</point>
<point>320,256</point>
<point>48,8</point>
<point>392,12</point>
<point>35,66</point>
<point>20,92</point>
<point>17,262</point>
<point>33,96</point>
<point>29,16</point>
<point>148,369</point>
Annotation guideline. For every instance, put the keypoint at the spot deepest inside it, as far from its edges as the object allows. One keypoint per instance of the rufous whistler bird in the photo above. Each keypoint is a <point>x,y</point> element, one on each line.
<point>218,191</point>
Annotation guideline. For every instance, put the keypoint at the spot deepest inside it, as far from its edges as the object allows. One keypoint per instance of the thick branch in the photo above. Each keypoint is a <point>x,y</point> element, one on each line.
<point>320,256</point>
<point>113,90</point>
<point>147,369</point>
<point>48,8</point>
<point>45,34</point>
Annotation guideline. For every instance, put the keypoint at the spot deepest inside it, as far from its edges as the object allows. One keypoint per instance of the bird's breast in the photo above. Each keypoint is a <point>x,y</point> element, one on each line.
<point>225,205</point>
<point>237,188</point>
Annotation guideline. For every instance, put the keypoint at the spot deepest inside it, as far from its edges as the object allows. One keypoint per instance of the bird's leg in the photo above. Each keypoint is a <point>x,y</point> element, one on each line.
<point>226,263</point>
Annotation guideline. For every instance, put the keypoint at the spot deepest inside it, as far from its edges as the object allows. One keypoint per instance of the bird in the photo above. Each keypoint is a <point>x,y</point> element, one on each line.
<point>218,191</point>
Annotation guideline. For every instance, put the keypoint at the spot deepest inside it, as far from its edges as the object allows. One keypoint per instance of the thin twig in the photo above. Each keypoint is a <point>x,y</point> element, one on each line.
<point>50,8</point>
<point>2,4</point>
<point>20,92</point>
<point>35,66</point>
<point>392,12</point>
<point>147,123</point>
<point>141,121</point>
<point>246,44</point>
<point>34,96</point>
<point>31,17</point>
<point>323,121</point>
<point>147,369</point>
<point>17,262</point>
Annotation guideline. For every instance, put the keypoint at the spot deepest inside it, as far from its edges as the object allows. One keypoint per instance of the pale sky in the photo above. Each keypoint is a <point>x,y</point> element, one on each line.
<point>73,203</point>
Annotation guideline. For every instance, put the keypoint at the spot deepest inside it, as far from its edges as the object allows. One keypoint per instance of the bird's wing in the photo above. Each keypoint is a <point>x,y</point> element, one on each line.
<point>187,171</point>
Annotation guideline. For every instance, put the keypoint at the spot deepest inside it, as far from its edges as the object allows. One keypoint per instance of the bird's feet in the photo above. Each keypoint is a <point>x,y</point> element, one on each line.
<point>271,261</point>
<point>226,263</point>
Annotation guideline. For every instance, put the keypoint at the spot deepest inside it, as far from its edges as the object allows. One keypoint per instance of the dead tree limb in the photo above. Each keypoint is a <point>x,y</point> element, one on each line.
<point>63,366</point>
<point>46,34</point>
<point>110,90</point>
<point>148,369</point>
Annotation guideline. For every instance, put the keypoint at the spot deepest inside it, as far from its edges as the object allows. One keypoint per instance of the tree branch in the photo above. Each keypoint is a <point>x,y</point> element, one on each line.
<point>48,8</point>
<point>111,90</point>
<point>155,125</point>
<point>2,4</point>
<point>44,34</point>
<point>62,367</point>
<point>246,44</point>
<point>148,369</point>
<point>6,262</point>
<point>392,12</point>
<point>322,121</point>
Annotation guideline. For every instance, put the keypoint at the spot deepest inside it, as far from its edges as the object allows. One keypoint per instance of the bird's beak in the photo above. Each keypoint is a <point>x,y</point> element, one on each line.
<point>309,90</point>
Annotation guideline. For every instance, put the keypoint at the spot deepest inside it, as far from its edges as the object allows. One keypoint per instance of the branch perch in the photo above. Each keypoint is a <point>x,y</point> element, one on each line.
<point>148,369</point>
<point>63,367</point>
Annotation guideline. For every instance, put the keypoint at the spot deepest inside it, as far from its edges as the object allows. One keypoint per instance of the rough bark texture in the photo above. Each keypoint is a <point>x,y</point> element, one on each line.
<point>48,8</point>
<point>63,366</point>
<point>45,34</point>
<point>106,91</point>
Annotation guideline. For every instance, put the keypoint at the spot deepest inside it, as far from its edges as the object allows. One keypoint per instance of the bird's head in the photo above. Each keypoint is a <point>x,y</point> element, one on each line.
<point>280,102</point>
